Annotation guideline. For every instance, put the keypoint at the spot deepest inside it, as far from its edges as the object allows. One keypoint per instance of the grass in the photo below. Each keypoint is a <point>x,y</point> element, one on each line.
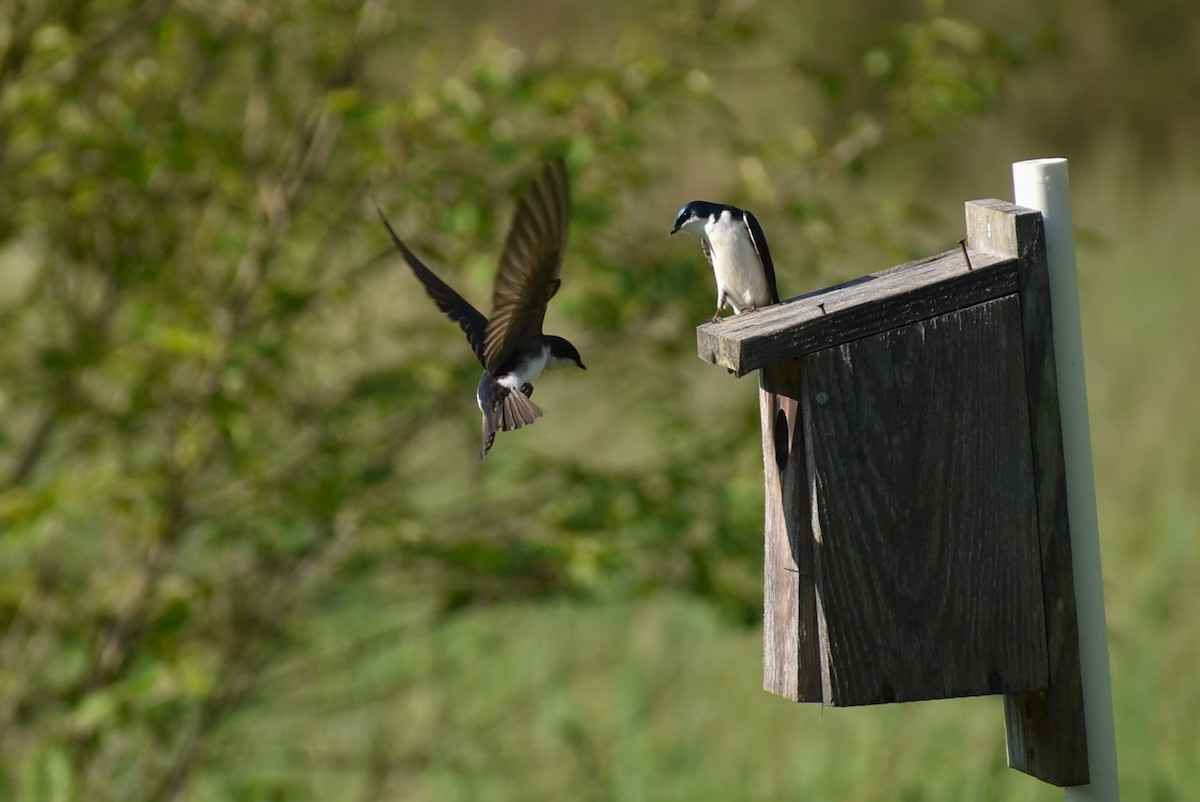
<point>1143,351</point>
<point>658,700</point>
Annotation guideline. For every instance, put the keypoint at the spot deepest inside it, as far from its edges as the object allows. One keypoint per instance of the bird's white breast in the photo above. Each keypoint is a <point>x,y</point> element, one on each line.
<point>736,263</point>
<point>526,371</point>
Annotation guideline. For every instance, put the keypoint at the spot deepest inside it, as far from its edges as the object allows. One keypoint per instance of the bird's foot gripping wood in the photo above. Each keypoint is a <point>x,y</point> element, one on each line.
<point>722,299</point>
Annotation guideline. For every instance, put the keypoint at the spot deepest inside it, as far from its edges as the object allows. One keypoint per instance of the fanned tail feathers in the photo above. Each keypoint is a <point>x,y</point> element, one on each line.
<point>506,410</point>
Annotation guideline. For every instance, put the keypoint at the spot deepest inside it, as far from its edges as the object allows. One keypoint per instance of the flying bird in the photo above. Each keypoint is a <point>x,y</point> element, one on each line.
<point>510,344</point>
<point>735,246</point>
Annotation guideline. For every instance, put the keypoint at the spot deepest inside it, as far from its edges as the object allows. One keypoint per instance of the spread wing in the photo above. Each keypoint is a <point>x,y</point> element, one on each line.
<point>528,274</point>
<point>472,321</point>
<point>759,240</point>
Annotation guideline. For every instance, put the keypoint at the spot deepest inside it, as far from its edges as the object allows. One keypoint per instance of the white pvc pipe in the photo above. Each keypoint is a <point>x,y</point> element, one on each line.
<point>1043,184</point>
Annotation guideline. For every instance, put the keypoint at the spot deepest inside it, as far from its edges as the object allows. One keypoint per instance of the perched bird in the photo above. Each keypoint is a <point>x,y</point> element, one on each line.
<point>510,344</point>
<point>736,247</point>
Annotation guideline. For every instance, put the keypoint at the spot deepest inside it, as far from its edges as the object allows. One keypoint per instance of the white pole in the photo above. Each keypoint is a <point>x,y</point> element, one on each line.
<point>1043,184</point>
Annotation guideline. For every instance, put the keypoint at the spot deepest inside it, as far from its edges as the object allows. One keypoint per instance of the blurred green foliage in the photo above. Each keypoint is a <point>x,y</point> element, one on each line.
<point>237,443</point>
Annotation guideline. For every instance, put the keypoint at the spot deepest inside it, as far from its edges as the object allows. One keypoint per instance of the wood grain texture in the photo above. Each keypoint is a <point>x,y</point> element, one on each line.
<point>1045,731</point>
<point>814,648</point>
<point>928,561</point>
<point>891,298</point>
<point>790,662</point>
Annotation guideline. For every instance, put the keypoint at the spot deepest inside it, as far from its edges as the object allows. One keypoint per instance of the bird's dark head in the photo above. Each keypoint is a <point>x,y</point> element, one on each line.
<point>563,353</point>
<point>694,215</point>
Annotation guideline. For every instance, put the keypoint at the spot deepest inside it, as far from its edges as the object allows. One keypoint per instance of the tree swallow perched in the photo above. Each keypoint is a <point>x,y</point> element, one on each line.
<point>510,345</point>
<point>736,247</point>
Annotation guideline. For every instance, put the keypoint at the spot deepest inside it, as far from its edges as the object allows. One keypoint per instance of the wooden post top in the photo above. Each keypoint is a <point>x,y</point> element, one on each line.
<point>881,301</point>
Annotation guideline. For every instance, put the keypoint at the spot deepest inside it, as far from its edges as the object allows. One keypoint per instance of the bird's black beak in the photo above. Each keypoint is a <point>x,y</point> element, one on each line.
<point>674,230</point>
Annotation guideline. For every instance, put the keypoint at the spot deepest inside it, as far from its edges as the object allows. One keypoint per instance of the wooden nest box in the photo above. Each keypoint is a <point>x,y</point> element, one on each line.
<point>917,543</point>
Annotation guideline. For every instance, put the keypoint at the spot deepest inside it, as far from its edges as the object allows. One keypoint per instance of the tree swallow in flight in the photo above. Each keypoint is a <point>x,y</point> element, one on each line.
<point>510,345</point>
<point>736,247</point>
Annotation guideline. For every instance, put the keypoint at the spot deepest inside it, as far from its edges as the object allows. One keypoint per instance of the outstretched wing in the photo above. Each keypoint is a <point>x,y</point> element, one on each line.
<point>472,321</point>
<point>759,240</point>
<point>528,274</point>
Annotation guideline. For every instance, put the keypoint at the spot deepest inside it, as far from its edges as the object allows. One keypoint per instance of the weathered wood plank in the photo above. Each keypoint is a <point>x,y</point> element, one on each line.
<point>891,298</point>
<point>1045,731</point>
<point>928,562</point>
<point>791,667</point>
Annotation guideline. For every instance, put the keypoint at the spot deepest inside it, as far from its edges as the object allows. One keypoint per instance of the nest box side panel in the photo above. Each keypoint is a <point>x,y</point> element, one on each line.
<point>925,531</point>
<point>791,663</point>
